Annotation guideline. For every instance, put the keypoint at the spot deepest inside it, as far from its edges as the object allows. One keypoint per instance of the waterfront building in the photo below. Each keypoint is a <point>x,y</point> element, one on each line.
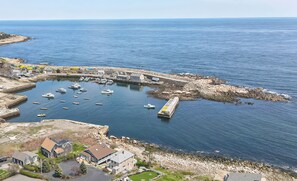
<point>137,77</point>
<point>242,177</point>
<point>122,162</point>
<point>98,154</point>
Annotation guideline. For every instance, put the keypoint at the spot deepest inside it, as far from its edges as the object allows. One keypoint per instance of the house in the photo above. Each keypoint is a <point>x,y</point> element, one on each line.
<point>51,148</point>
<point>137,77</point>
<point>24,158</point>
<point>99,153</point>
<point>122,76</point>
<point>242,177</point>
<point>122,162</point>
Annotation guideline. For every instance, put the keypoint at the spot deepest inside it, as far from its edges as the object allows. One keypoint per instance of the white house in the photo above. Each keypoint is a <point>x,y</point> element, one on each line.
<point>122,162</point>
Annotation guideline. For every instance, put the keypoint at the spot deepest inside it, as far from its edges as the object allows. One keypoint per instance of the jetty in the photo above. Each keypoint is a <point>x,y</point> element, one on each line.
<point>169,108</point>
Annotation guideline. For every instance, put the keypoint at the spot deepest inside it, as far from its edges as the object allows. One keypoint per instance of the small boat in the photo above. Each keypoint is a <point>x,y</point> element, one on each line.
<point>43,108</point>
<point>83,90</point>
<point>61,90</point>
<point>79,92</point>
<point>103,81</point>
<point>75,103</point>
<point>75,96</point>
<point>74,86</point>
<point>107,91</point>
<point>62,101</point>
<point>149,106</point>
<point>87,99</point>
<point>65,108</point>
<point>48,95</point>
<point>41,115</point>
<point>36,103</point>
<point>81,79</point>
<point>109,82</point>
<point>99,104</point>
<point>87,79</point>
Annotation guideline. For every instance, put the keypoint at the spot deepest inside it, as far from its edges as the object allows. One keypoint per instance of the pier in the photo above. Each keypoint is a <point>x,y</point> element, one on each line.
<point>169,108</point>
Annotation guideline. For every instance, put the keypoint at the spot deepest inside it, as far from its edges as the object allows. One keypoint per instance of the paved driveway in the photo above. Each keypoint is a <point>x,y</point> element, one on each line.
<point>21,178</point>
<point>93,173</point>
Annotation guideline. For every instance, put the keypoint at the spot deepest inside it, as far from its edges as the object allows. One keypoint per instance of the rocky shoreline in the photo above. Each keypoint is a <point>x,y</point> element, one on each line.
<point>214,166</point>
<point>9,38</point>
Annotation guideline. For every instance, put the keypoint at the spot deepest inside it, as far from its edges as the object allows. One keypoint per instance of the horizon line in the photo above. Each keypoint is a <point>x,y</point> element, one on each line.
<point>66,19</point>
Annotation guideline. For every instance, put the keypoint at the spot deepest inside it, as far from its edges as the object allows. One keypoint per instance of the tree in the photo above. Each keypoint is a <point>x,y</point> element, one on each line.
<point>58,171</point>
<point>83,168</point>
<point>46,167</point>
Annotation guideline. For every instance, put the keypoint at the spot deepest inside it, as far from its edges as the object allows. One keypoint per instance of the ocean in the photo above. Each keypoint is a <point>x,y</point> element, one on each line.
<point>249,52</point>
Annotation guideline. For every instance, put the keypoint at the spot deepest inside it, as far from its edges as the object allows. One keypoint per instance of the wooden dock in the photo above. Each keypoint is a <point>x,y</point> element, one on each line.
<point>169,108</point>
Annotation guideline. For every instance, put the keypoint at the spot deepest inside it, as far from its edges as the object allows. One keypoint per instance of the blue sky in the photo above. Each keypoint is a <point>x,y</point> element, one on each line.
<point>139,9</point>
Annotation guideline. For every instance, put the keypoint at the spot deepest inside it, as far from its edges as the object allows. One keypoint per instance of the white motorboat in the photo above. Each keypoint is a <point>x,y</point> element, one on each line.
<point>61,90</point>
<point>43,108</point>
<point>48,95</point>
<point>41,115</point>
<point>149,106</point>
<point>99,104</point>
<point>65,108</point>
<point>81,79</point>
<point>109,82</point>
<point>107,91</point>
<point>83,90</point>
<point>36,103</point>
<point>75,86</point>
<point>75,103</point>
<point>75,96</point>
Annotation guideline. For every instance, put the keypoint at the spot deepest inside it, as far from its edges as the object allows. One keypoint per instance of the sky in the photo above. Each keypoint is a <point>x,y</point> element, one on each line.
<point>144,9</point>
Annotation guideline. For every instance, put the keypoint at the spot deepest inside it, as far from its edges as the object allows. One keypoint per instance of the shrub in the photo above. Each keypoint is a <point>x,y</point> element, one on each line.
<point>32,168</point>
<point>46,167</point>
<point>30,174</point>
<point>58,171</point>
<point>140,163</point>
<point>83,168</point>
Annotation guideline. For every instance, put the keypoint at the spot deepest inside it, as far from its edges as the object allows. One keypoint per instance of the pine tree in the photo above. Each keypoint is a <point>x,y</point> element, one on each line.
<point>83,168</point>
<point>58,171</point>
<point>46,167</point>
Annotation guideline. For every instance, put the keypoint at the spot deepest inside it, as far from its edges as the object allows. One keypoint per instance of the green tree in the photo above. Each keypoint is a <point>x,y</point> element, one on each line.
<point>46,167</point>
<point>58,171</point>
<point>83,168</point>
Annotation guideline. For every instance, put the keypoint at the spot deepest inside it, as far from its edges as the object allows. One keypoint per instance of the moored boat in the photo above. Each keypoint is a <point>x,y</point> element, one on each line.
<point>48,95</point>
<point>107,91</point>
<point>41,115</point>
<point>75,103</point>
<point>61,90</point>
<point>74,86</point>
<point>149,106</point>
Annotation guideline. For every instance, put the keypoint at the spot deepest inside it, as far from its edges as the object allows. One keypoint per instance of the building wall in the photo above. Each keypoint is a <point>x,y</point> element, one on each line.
<point>46,153</point>
<point>127,165</point>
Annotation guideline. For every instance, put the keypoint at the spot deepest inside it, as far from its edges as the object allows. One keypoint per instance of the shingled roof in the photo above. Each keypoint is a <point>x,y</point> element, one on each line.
<point>100,151</point>
<point>48,144</point>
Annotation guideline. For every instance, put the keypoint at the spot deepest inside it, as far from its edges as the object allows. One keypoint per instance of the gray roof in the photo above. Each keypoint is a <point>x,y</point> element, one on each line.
<point>242,177</point>
<point>23,156</point>
<point>121,156</point>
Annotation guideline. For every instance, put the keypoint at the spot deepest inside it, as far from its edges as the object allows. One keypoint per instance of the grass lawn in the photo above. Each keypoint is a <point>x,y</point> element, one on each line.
<point>144,176</point>
<point>172,176</point>
<point>77,148</point>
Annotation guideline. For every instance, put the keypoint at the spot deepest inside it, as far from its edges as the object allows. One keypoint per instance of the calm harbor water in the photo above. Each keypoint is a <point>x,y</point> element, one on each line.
<point>252,52</point>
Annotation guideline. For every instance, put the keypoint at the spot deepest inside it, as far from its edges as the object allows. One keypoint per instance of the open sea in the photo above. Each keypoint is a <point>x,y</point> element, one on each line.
<point>249,52</point>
